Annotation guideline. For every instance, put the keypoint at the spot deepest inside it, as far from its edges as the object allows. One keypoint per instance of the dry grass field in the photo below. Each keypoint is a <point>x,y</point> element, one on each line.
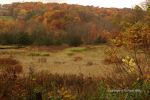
<point>66,73</point>
<point>86,60</point>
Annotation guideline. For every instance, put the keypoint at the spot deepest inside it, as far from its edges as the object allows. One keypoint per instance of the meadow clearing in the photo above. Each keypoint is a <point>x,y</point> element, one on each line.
<point>66,73</point>
<point>86,60</point>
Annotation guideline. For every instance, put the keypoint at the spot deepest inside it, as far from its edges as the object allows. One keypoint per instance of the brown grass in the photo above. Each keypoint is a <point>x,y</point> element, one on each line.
<point>10,66</point>
<point>59,61</point>
<point>78,58</point>
<point>67,86</point>
<point>8,61</point>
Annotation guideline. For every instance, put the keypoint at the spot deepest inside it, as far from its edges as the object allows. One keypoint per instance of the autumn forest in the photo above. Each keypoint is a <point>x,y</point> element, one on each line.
<point>56,24</point>
<point>60,51</point>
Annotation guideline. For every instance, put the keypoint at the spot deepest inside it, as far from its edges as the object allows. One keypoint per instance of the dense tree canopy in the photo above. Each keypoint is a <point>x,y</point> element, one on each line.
<point>51,23</point>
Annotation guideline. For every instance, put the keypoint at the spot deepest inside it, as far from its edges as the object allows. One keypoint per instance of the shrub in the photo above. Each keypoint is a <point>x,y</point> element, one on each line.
<point>8,39</point>
<point>43,41</point>
<point>75,41</point>
<point>58,42</point>
<point>99,40</point>
<point>46,86</point>
<point>78,58</point>
<point>14,69</point>
<point>11,67</point>
<point>8,61</point>
<point>112,56</point>
<point>89,63</point>
<point>24,39</point>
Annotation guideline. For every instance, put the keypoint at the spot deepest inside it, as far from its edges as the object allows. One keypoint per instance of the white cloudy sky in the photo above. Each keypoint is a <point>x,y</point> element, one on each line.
<point>101,3</point>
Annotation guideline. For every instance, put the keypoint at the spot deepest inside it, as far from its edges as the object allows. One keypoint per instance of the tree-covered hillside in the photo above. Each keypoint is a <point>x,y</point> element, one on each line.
<point>56,24</point>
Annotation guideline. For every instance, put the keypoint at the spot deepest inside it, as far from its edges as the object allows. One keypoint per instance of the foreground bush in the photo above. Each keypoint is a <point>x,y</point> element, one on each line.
<point>46,86</point>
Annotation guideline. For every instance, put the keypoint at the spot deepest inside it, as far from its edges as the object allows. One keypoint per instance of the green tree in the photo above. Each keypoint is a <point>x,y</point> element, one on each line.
<point>24,39</point>
<point>74,41</point>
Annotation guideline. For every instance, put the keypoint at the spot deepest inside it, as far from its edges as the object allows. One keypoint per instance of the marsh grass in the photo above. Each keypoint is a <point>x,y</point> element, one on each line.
<point>70,53</point>
<point>45,85</point>
<point>39,54</point>
<point>6,17</point>
<point>78,49</point>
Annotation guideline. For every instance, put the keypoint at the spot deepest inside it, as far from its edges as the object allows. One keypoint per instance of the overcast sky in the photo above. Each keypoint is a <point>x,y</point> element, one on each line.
<point>100,3</point>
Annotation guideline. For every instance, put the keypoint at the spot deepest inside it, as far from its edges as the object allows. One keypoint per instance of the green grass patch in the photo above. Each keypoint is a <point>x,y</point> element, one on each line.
<point>78,49</point>
<point>39,54</point>
<point>6,17</point>
<point>70,53</point>
<point>74,50</point>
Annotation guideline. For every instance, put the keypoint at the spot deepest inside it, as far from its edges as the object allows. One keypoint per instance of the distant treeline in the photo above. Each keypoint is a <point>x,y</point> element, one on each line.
<point>56,24</point>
